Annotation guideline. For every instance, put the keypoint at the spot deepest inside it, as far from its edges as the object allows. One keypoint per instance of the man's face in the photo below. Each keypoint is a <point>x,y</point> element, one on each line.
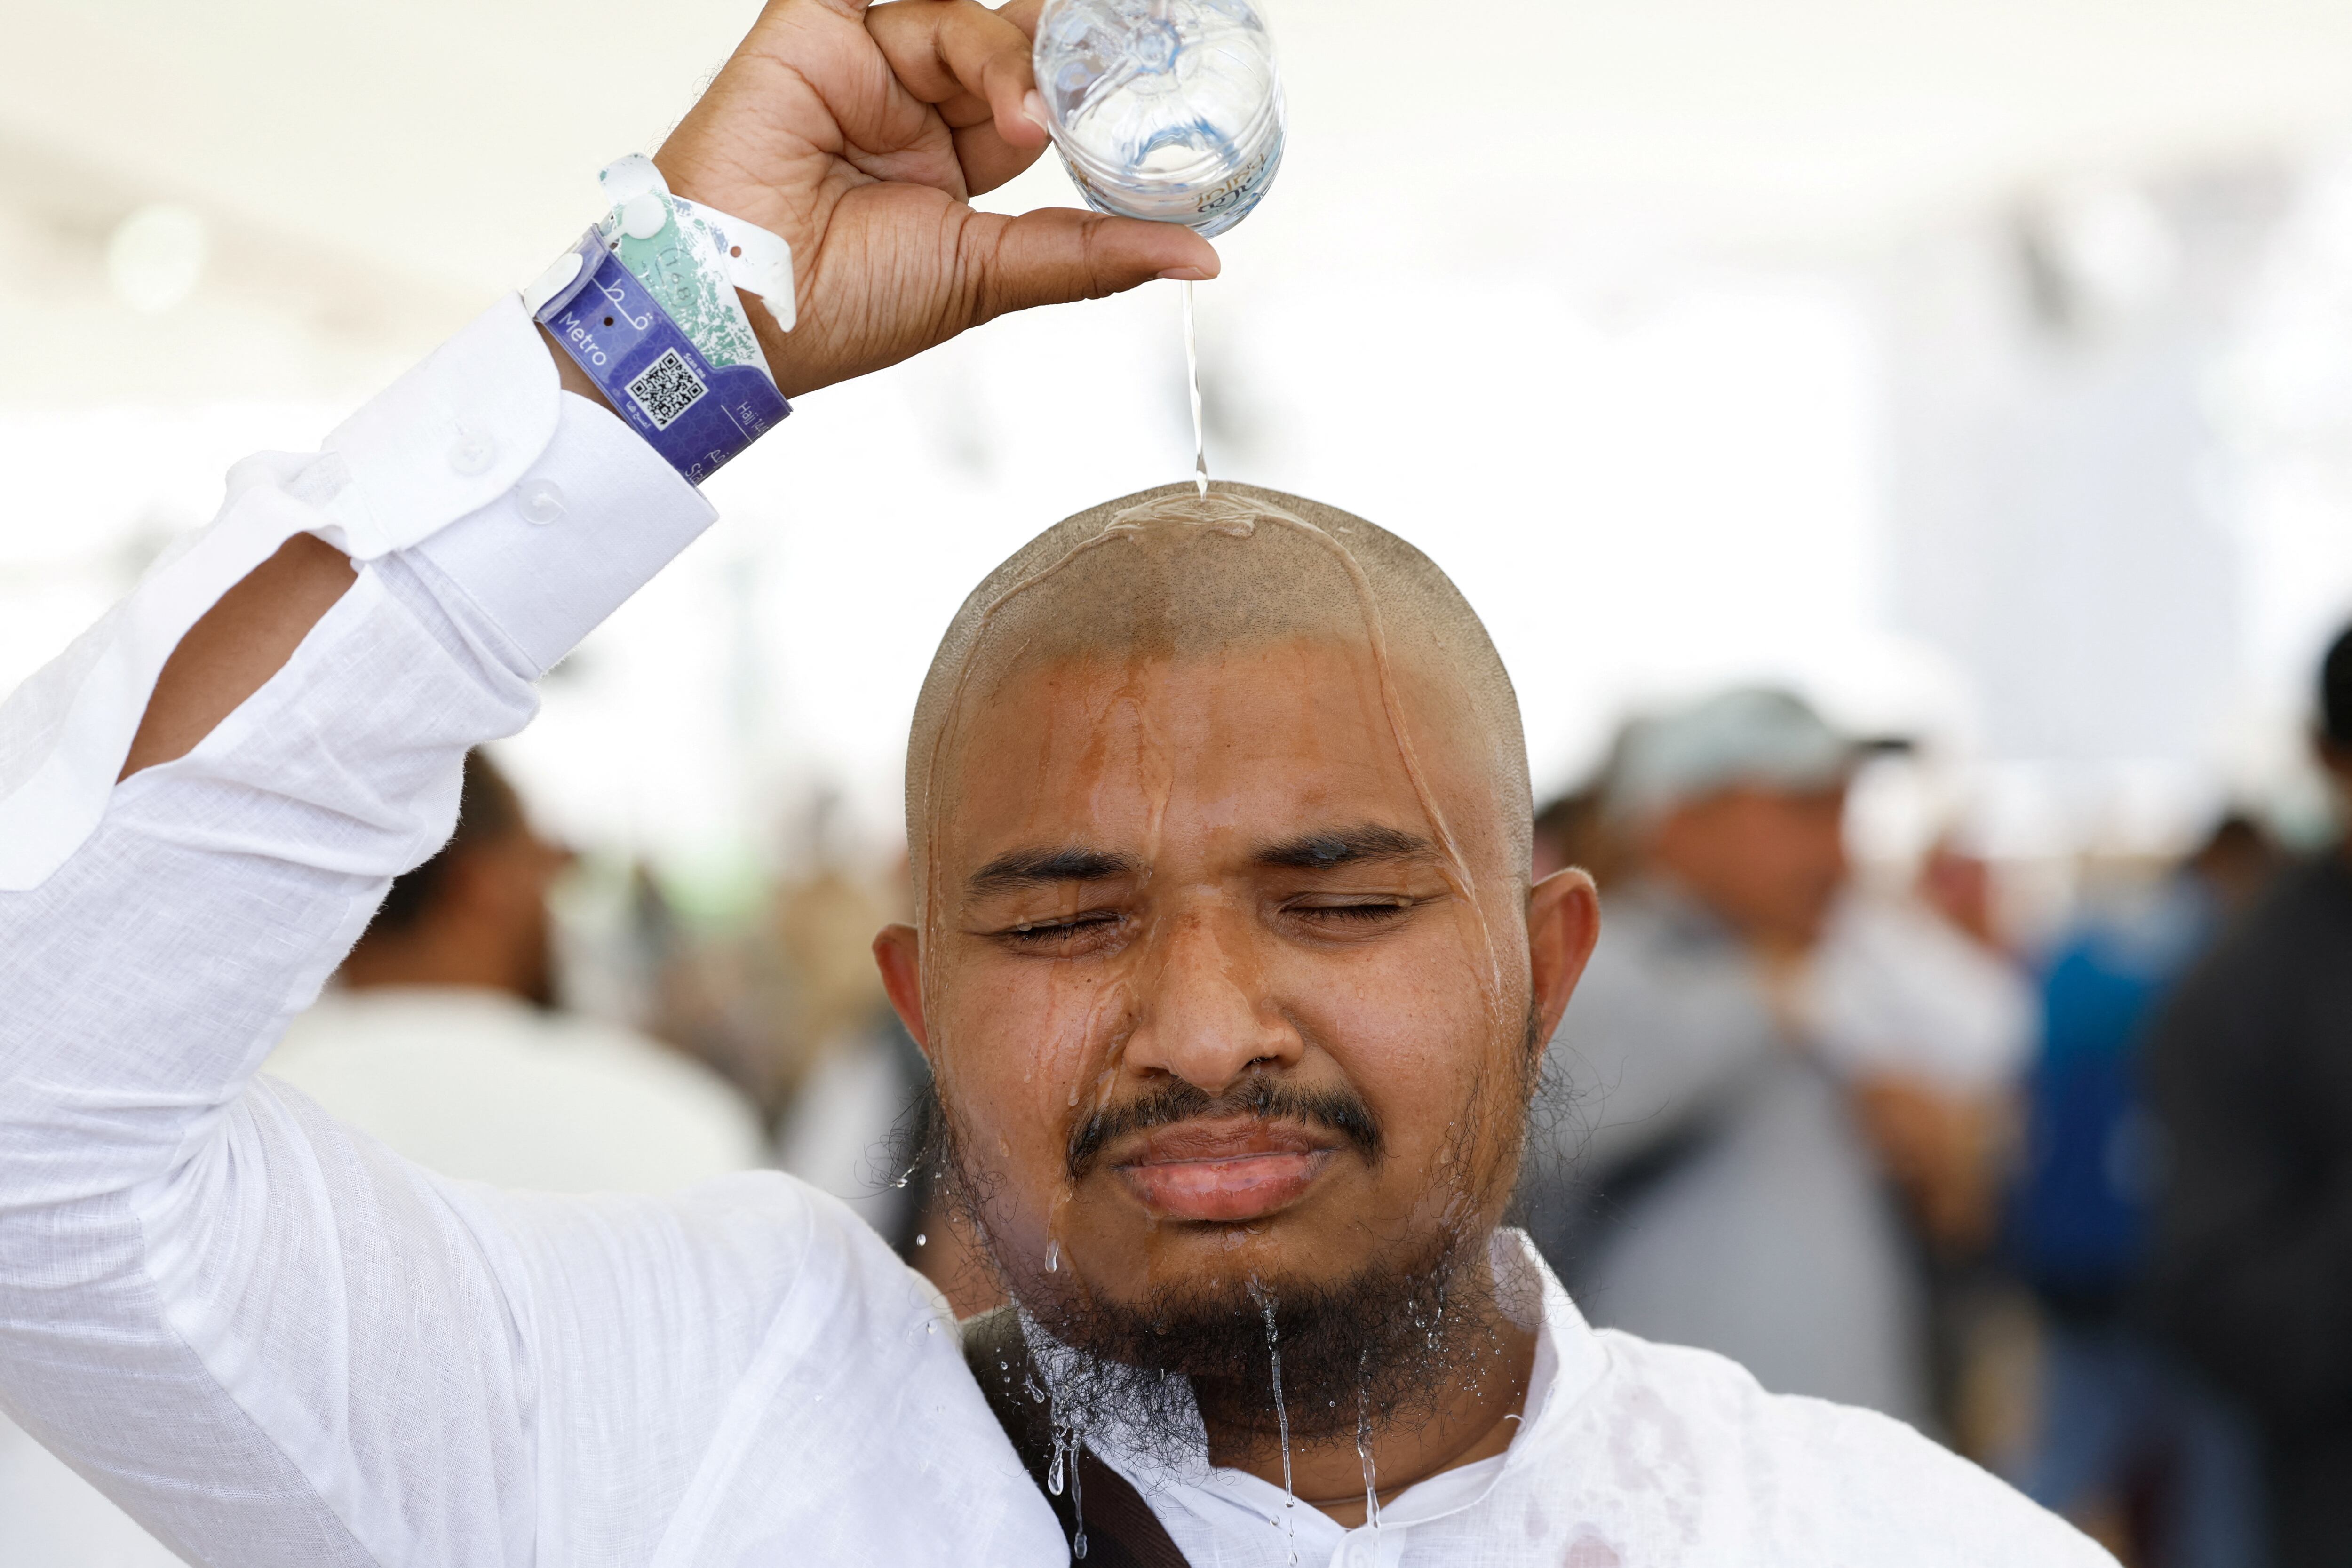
<point>1208,1001</point>
<point>1769,861</point>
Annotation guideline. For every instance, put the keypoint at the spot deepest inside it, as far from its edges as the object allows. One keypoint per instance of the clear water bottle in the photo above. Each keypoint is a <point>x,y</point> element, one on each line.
<point>1168,110</point>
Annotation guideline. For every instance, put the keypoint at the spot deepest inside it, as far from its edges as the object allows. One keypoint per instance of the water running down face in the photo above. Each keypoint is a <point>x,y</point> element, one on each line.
<point>1228,967</point>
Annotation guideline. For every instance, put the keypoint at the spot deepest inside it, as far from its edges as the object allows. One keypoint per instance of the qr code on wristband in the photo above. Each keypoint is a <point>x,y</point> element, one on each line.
<point>667,388</point>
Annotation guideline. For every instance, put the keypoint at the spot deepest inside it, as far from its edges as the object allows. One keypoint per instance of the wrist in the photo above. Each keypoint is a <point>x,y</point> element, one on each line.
<point>655,306</point>
<point>702,183</point>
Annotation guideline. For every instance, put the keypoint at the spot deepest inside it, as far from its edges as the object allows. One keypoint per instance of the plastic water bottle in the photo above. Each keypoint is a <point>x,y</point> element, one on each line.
<point>1168,110</point>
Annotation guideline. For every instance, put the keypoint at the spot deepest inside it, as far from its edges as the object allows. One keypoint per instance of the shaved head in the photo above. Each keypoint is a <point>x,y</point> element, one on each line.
<point>1167,573</point>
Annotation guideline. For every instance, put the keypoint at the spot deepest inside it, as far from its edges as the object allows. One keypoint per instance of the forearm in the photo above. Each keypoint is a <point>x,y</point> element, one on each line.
<point>240,643</point>
<point>249,635</point>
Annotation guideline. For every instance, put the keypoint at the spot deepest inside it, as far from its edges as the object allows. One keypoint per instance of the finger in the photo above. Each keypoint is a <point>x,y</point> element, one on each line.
<point>969,60</point>
<point>986,161</point>
<point>1058,253</point>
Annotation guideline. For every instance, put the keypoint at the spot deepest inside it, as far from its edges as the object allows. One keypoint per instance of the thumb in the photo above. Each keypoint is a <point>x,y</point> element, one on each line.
<point>1059,254</point>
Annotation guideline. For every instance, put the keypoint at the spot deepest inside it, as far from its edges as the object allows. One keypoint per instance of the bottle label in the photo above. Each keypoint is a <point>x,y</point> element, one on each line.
<point>1211,209</point>
<point>1240,188</point>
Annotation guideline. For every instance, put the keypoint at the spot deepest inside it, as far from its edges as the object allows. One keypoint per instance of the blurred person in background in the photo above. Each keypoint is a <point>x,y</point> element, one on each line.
<point>2124,1439</point>
<point>441,1037</point>
<point>2250,1072</point>
<point>1762,1064</point>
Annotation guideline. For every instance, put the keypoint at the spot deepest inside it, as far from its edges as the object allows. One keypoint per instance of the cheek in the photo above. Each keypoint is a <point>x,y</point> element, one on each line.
<point>1414,1033</point>
<point>1025,1052</point>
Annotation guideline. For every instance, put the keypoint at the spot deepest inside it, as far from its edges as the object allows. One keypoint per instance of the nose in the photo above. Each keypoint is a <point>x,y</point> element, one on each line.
<point>1205,1014</point>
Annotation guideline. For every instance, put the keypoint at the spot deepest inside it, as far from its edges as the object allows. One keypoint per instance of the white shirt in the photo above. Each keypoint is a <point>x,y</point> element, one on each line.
<point>51,1517</point>
<point>466,1081</point>
<point>276,1343</point>
<point>480,1084</point>
<point>1632,1454</point>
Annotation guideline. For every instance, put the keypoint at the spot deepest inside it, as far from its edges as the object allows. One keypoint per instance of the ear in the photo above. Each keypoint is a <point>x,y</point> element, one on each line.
<point>1563,923</point>
<point>898,953</point>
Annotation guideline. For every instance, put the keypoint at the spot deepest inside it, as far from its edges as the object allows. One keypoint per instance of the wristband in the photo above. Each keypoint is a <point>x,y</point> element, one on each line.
<point>647,304</point>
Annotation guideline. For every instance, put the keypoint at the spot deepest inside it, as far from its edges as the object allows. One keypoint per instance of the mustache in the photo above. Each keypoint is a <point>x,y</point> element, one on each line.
<point>1338,1110</point>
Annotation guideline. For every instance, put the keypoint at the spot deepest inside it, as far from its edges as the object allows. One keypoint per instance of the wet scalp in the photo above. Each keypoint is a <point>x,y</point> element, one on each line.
<point>1163,573</point>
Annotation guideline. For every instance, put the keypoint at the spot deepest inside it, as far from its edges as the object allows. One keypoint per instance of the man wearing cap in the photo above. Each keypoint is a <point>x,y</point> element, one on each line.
<point>2251,1074</point>
<point>1754,1049</point>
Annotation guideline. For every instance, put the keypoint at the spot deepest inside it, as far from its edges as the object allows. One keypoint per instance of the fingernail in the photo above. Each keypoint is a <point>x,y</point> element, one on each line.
<point>1033,109</point>
<point>1185,275</point>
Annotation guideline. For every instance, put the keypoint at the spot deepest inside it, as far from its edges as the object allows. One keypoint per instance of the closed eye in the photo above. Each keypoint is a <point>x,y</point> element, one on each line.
<point>1355,911</point>
<point>1064,935</point>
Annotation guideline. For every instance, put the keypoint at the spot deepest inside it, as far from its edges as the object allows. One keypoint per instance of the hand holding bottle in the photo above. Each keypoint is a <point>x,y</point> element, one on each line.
<point>860,134</point>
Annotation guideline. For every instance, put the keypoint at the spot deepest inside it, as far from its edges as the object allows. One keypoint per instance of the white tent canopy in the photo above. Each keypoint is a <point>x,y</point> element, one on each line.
<point>1590,300</point>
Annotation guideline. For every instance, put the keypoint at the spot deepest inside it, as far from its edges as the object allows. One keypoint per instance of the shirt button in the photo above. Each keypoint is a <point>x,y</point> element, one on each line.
<point>473,452</point>
<point>542,502</point>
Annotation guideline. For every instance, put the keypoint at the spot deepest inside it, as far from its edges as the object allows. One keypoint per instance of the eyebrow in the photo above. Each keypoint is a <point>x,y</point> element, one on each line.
<point>1042,868</point>
<point>1364,844</point>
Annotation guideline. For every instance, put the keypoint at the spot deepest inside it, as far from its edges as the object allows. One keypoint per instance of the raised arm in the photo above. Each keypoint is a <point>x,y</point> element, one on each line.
<point>857,133</point>
<point>271,1340</point>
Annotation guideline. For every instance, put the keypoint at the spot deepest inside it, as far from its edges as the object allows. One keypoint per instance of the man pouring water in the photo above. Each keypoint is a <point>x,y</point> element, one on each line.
<point>1226,960</point>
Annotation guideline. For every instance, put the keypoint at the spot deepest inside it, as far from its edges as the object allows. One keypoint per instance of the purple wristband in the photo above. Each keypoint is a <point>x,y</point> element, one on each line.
<point>696,414</point>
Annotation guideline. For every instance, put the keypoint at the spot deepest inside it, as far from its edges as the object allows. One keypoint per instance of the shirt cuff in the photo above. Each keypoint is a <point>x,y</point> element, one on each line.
<point>583,528</point>
<point>448,438</point>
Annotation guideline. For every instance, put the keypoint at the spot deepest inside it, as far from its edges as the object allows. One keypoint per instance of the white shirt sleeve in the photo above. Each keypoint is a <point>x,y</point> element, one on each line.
<point>267,1337</point>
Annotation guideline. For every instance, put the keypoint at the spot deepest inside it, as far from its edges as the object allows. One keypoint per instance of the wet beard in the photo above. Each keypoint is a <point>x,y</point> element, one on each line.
<point>1390,1346</point>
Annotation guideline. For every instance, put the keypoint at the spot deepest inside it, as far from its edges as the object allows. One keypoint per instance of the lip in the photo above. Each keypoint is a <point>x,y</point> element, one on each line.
<point>1223,1171</point>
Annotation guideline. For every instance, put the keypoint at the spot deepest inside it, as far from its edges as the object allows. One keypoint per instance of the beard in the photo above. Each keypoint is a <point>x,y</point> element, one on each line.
<point>1270,1358</point>
<point>1270,1361</point>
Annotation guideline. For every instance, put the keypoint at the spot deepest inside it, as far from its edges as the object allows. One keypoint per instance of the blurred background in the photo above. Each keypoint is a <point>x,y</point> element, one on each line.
<point>1978,370</point>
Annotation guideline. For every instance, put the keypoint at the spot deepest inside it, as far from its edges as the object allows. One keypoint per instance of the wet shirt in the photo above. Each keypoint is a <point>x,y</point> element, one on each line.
<point>1634,1455</point>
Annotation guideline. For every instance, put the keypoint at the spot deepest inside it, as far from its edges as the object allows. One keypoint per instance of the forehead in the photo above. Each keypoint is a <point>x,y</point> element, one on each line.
<point>1136,750</point>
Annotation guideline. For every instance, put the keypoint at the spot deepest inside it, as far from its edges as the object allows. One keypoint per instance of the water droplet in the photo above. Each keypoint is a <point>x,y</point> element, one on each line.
<point>1193,382</point>
<point>1078,1496</point>
<point>1052,1255</point>
<point>1264,1299</point>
